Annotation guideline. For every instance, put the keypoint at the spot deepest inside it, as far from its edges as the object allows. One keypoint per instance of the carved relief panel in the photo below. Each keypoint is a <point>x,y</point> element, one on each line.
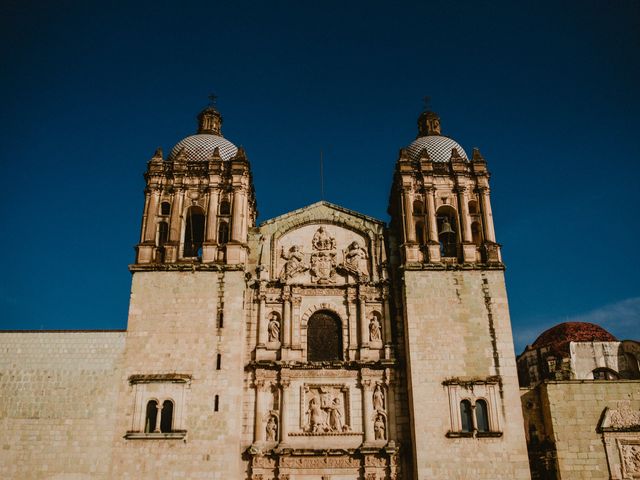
<point>322,255</point>
<point>325,409</point>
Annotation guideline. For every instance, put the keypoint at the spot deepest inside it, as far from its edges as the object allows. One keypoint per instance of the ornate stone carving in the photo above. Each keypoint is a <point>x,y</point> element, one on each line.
<point>294,264</point>
<point>323,259</point>
<point>325,409</point>
<point>374,328</point>
<point>624,417</point>
<point>319,462</point>
<point>379,428</point>
<point>631,459</point>
<point>378,399</point>
<point>260,461</point>
<point>272,429</point>
<point>355,261</point>
<point>273,328</point>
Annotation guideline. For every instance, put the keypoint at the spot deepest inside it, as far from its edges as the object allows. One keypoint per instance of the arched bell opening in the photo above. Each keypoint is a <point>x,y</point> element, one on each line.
<point>448,231</point>
<point>476,233</point>
<point>193,232</point>
<point>324,337</point>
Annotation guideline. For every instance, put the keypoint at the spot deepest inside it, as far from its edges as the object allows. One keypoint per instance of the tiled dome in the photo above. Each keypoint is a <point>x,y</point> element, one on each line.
<point>438,147</point>
<point>200,147</point>
<point>558,338</point>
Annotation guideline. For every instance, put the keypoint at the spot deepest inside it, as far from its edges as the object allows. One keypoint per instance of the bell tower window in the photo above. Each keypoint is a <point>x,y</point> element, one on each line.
<point>194,232</point>
<point>447,231</point>
<point>223,233</point>
<point>165,208</point>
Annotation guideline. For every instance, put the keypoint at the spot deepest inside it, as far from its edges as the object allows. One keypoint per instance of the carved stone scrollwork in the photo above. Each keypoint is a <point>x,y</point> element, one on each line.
<point>631,459</point>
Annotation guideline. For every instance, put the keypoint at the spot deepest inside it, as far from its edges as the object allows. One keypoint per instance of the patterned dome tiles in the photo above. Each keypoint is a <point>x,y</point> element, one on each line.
<point>438,147</point>
<point>200,147</point>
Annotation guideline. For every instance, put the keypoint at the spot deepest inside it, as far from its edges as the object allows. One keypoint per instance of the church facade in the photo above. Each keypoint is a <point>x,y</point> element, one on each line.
<point>320,344</point>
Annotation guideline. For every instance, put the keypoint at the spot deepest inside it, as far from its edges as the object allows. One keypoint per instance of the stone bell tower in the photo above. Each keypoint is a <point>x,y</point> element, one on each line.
<point>462,384</point>
<point>199,202</point>
<point>182,366</point>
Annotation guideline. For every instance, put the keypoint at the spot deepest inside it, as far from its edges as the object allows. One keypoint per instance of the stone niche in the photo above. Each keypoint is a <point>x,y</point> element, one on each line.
<point>322,255</point>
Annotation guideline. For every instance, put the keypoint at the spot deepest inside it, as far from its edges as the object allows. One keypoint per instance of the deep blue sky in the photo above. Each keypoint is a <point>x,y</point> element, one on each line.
<point>549,91</point>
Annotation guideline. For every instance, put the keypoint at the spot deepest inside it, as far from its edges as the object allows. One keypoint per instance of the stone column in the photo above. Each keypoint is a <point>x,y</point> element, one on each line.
<point>431,213</point>
<point>295,322</point>
<point>262,321</point>
<point>284,409</point>
<point>489,232</point>
<point>145,216</point>
<point>176,216</point>
<point>367,410</point>
<point>410,228</point>
<point>391,409</point>
<point>152,211</point>
<point>237,215</point>
<point>353,323</point>
<point>258,428</point>
<point>386,311</point>
<point>364,325</point>
<point>463,205</point>
<point>212,215</point>
<point>158,418</point>
<point>286,321</point>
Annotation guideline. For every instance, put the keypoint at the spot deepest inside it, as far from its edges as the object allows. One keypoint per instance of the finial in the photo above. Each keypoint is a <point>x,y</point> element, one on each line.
<point>209,119</point>
<point>477,156</point>
<point>212,99</point>
<point>426,101</point>
<point>428,121</point>
<point>157,155</point>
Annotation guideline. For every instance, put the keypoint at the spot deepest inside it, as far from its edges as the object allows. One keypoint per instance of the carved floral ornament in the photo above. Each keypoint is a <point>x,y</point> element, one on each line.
<point>621,418</point>
<point>322,260</point>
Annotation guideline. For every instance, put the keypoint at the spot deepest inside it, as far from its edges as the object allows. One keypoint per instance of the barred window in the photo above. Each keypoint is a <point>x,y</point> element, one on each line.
<point>324,337</point>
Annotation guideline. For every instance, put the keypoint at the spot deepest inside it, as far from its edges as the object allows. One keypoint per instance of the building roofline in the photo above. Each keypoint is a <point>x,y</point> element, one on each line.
<point>326,204</point>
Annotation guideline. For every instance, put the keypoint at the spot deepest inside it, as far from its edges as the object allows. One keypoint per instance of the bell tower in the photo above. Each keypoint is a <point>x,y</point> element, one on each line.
<point>462,390</point>
<point>199,202</point>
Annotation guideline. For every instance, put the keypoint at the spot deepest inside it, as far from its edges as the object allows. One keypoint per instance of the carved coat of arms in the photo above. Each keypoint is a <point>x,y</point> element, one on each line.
<point>323,259</point>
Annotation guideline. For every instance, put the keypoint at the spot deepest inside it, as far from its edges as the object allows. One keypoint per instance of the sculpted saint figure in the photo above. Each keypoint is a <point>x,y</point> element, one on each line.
<point>274,328</point>
<point>316,416</point>
<point>294,262</point>
<point>379,428</point>
<point>374,329</point>
<point>378,398</point>
<point>335,415</point>
<point>272,429</point>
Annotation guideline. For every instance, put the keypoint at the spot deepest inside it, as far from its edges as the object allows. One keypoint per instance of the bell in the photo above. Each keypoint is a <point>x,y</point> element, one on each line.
<point>446,227</point>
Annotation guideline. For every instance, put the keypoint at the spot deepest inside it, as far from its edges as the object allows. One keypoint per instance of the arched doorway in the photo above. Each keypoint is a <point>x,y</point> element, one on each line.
<point>324,337</point>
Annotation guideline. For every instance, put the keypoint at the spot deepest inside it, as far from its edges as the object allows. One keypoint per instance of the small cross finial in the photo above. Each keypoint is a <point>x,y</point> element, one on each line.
<point>426,100</point>
<point>212,99</point>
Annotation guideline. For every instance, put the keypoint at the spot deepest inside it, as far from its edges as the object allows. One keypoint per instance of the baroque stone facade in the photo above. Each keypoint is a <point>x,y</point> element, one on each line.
<point>321,344</point>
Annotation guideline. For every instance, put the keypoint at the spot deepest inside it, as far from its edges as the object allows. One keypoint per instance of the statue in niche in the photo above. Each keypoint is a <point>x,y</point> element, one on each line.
<point>323,241</point>
<point>273,328</point>
<point>378,399</point>
<point>294,264</point>
<point>355,258</point>
<point>272,429</point>
<point>379,428</point>
<point>374,328</point>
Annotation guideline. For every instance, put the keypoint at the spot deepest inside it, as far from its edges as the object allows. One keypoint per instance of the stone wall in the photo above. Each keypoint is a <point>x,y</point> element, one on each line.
<point>57,406</point>
<point>572,411</point>
<point>174,330</point>
<point>458,343</point>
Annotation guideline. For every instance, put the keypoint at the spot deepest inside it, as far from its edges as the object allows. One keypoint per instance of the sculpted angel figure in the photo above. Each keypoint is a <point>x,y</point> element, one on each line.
<point>354,259</point>
<point>294,262</point>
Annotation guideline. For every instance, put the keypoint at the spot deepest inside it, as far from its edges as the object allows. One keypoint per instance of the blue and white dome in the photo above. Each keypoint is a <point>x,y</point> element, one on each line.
<point>438,147</point>
<point>200,147</point>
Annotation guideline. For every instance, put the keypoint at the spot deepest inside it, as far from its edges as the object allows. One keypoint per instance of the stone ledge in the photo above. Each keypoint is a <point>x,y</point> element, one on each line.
<point>175,435</point>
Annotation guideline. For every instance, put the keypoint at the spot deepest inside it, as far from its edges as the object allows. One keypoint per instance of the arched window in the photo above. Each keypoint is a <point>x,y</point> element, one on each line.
<point>194,232</point>
<point>476,233</point>
<point>632,365</point>
<point>225,207</point>
<point>447,231</point>
<point>473,207</point>
<point>482,416</point>
<point>223,233</point>
<point>166,419</point>
<point>324,337</point>
<point>418,207</point>
<point>163,233</point>
<point>465,416</point>
<point>165,208</point>
<point>151,416</point>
